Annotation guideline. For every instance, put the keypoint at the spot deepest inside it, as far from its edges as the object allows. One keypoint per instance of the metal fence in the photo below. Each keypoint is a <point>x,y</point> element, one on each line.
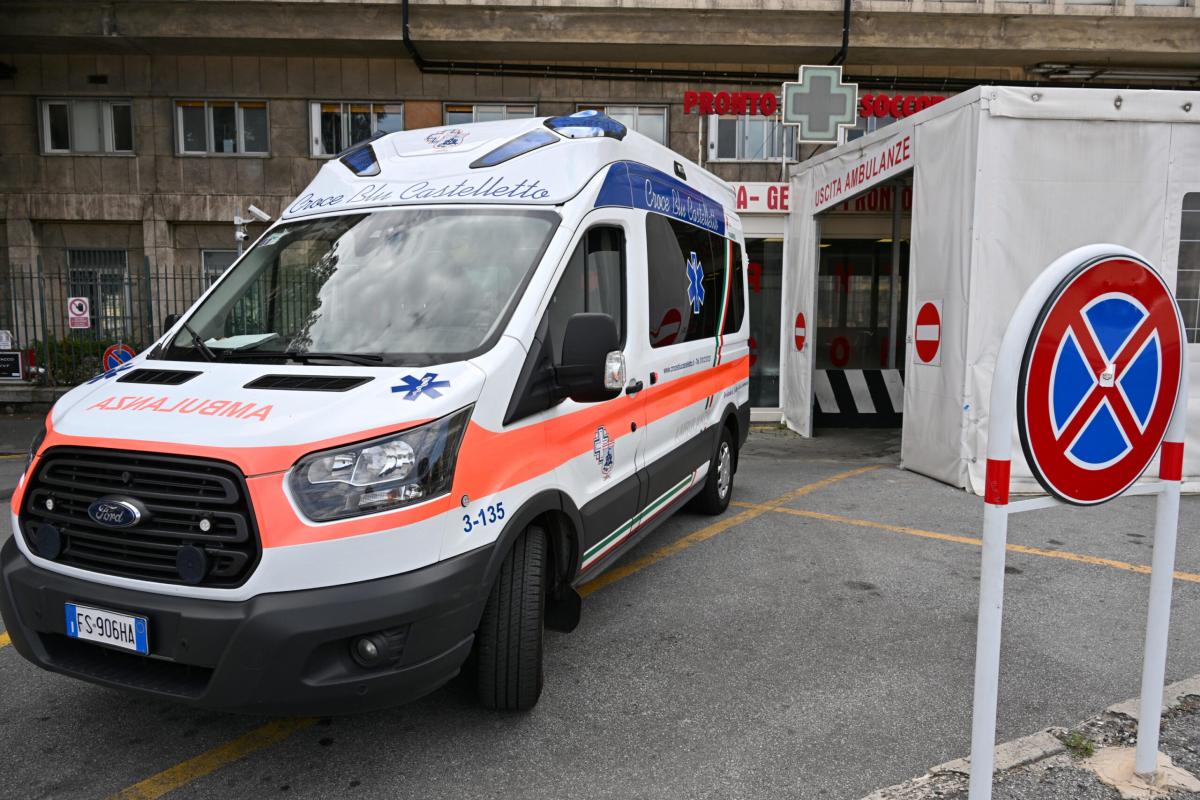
<point>127,304</point>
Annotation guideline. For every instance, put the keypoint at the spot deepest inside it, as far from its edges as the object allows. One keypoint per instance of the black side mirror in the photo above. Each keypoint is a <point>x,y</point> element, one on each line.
<point>170,321</point>
<point>593,367</point>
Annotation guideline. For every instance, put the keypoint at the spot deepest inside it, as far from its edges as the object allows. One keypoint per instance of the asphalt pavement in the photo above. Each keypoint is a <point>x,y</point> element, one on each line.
<point>820,647</point>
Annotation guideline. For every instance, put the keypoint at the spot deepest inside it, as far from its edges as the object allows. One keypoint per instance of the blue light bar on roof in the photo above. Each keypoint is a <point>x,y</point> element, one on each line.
<point>587,125</point>
<point>362,161</point>
<point>519,146</point>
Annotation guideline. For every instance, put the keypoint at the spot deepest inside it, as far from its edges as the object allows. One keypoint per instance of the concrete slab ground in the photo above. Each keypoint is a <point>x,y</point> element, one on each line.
<point>817,643</point>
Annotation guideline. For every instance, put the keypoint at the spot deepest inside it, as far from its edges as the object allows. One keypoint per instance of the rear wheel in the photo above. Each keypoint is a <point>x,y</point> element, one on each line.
<point>509,640</point>
<point>714,497</point>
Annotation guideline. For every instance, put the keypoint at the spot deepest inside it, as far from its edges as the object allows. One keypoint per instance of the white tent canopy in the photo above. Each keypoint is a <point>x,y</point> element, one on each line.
<point>1005,180</point>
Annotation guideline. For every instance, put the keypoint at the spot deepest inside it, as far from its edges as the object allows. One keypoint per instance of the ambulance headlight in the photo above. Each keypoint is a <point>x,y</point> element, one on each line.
<point>380,474</point>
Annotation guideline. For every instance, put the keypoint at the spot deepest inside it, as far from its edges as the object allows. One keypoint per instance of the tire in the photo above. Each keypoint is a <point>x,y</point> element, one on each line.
<point>509,640</point>
<point>714,497</point>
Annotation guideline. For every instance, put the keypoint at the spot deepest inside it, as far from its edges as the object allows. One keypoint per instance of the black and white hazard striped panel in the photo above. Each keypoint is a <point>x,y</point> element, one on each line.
<point>868,398</point>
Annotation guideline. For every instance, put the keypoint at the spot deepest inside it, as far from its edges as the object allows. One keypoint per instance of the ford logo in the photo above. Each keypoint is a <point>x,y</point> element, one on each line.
<point>116,512</point>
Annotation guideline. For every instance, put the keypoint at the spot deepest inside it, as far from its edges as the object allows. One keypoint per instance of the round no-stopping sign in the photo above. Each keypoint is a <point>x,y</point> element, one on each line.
<point>1099,379</point>
<point>927,337</point>
<point>801,331</point>
<point>116,355</point>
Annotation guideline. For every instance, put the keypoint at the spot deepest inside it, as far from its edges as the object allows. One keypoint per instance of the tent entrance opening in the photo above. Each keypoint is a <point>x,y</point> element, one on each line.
<point>861,308</point>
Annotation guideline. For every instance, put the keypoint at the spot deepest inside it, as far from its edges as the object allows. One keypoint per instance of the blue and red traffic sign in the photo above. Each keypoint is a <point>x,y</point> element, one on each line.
<point>1099,379</point>
<point>116,355</point>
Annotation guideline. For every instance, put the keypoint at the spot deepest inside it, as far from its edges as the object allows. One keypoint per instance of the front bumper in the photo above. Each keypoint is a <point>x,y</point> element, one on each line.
<point>274,653</point>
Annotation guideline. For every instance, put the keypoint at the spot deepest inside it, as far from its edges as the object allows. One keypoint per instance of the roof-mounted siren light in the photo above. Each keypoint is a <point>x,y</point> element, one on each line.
<point>589,124</point>
<point>525,143</point>
<point>360,158</point>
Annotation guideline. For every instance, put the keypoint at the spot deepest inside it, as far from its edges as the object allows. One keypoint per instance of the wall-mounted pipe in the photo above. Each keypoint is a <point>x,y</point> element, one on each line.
<point>840,56</point>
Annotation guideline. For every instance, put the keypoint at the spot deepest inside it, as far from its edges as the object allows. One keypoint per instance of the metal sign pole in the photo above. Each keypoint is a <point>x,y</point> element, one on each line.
<point>1162,574</point>
<point>1001,424</point>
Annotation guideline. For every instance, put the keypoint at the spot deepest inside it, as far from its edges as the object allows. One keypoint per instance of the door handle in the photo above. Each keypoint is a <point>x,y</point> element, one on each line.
<point>633,387</point>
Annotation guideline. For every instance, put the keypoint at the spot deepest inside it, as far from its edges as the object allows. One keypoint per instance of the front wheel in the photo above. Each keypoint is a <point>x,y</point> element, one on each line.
<point>509,640</point>
<point>714,497</point>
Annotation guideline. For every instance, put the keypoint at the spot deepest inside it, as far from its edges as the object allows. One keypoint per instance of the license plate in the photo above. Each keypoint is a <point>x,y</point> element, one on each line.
<point>108,627</point>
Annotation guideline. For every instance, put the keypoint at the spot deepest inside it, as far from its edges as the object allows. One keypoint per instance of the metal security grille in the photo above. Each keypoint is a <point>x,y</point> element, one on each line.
<point>102,277</point>
<point>178,494</point>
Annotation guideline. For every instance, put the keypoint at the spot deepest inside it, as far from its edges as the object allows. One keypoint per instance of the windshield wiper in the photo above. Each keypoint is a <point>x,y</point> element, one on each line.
<point>367,359</point>
<point>351,358</point>
<point>199,345</point>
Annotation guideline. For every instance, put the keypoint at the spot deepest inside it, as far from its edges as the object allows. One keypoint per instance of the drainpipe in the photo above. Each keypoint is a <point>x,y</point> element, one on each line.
<point>840,57</point>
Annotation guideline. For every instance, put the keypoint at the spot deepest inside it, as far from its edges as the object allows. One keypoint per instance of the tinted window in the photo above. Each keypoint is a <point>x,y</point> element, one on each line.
<point>594,281</point>
<point>737,295</point>
<point>686,277</point>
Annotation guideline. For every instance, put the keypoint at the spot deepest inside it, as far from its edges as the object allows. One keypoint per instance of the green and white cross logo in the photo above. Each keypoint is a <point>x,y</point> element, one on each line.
<point>820,104</point>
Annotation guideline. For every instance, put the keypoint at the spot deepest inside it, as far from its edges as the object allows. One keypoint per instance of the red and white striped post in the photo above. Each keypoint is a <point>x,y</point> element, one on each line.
<point>1162,574</point>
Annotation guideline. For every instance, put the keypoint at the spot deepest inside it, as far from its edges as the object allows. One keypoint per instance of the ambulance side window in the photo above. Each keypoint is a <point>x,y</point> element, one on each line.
<point>594,281</point>
<point>686,280</point>
<point>737,294</point>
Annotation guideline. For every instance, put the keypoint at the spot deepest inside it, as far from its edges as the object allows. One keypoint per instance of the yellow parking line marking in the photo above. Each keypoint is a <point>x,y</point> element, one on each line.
<point>185,772</point>
<point>625,570</point>
<point>1143,569</point>
<point>4,640</point>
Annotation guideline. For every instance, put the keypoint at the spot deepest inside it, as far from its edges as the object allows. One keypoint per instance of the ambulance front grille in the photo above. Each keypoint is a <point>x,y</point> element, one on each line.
<point>178,494</point>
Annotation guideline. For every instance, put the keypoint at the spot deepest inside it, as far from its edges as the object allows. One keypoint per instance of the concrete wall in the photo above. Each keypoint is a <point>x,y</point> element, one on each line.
<point>291,53</point>
<point>170,197</point>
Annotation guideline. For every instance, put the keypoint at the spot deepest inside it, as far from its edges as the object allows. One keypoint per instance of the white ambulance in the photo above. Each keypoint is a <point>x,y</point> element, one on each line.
<point>465,371</point>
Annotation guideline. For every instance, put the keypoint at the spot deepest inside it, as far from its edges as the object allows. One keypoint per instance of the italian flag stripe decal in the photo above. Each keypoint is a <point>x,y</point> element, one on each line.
<point>724,301</point>
<point>620,534</point>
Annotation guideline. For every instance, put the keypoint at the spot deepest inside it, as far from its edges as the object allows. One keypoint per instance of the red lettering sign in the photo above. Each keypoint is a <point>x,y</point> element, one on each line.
<point>757,103</point>
<point>897,105</point>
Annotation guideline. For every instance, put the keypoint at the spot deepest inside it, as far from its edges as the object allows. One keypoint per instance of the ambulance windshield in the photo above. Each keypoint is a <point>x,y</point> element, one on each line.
<point>398,286</point>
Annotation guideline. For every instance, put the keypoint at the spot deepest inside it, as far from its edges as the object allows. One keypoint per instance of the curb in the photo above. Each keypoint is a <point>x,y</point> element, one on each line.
<point>1022,752</point>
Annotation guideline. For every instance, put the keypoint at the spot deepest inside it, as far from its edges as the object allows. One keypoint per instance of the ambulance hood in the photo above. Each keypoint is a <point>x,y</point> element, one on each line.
<point>225,407</point>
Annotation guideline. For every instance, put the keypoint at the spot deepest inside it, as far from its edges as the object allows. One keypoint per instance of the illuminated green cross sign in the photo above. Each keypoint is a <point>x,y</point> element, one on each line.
<point>820,104</point>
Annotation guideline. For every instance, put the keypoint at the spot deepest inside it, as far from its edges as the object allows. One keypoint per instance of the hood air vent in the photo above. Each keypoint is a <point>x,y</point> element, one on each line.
<point>307,383</point>
<point>165,377</point>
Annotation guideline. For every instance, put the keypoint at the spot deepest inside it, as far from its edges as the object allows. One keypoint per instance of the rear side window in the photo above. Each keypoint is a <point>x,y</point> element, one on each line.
<point>686,276</point>
<point>737,297</point>
<point>594,281</point>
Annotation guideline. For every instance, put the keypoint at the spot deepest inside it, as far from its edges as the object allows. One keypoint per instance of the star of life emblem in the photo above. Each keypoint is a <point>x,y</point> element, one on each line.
<point>695,276</point>
<point>604,451</point>
<point>413,387</point>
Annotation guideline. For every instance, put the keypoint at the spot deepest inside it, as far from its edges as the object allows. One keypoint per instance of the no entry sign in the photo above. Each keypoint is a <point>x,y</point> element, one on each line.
<point>927,334</point>
<point>1098,381</point>
<point>801,331</point>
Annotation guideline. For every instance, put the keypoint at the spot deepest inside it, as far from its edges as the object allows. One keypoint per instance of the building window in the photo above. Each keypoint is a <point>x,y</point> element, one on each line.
<point>1187,280</point>
<point>102,277</point>
<point>215,262</point>
<point>336,126</point>
<point>750,138</point>
<point>649,121</point>
<point>462,113</point>
<point>222,127</point>
<point>87,126</point>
